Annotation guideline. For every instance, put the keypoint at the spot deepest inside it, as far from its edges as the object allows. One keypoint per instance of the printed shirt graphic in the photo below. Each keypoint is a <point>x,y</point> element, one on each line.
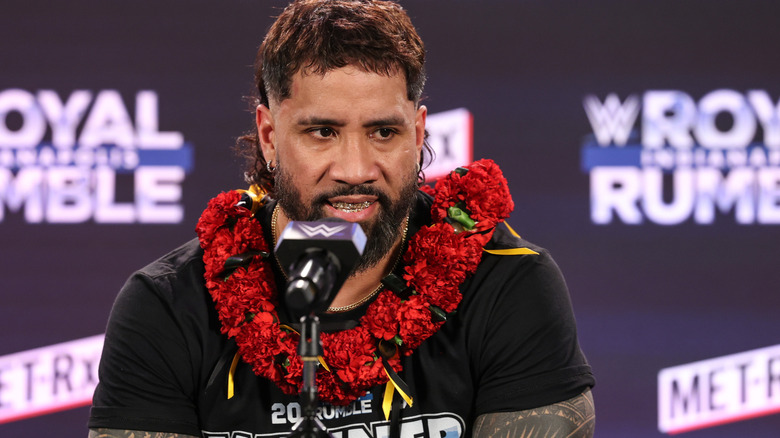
<point>356,420</point>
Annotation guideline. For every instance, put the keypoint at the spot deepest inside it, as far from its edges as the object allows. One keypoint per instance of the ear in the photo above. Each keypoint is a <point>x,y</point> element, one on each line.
<point>419,128</point>
<point>265,132</point>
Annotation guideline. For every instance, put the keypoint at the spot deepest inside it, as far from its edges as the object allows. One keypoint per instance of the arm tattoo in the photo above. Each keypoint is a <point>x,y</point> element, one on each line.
<point>116,433</point>
<point>573,418</point>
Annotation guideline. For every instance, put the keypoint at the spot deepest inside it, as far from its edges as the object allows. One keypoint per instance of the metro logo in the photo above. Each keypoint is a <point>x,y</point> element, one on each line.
<point>686,160</point>
<point>719,390</point>
<point>49,379</point>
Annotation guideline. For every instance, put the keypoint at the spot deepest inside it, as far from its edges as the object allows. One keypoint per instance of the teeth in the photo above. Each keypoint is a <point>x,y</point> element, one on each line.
<point>350,208</point>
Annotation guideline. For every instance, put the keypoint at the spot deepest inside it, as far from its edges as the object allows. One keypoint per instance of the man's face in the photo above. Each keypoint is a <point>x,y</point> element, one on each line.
<point>346,144</point>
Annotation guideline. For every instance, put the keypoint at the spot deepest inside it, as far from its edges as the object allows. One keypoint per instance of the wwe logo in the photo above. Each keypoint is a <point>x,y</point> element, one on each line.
<point>612,121</point>
<point>321,229</point>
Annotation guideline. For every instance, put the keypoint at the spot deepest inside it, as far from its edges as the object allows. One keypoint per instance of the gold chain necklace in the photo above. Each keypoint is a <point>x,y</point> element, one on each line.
<point>341,309</point>
<point>373,293</point>
<point>361,301</point>
<point>274,215</point>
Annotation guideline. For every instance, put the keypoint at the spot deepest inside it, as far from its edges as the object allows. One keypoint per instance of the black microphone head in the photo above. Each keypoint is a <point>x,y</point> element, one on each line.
<point>332,242</point>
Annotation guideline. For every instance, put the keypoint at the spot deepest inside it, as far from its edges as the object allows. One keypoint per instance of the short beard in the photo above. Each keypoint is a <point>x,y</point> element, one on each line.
<point>381,232</point>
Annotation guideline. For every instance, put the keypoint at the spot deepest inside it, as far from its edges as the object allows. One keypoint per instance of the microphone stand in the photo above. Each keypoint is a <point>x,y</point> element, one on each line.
<point>320,256</point>
<point>310,348</point>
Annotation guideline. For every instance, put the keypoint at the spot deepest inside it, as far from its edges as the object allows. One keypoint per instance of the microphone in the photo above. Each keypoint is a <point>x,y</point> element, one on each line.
<point>319,256</point>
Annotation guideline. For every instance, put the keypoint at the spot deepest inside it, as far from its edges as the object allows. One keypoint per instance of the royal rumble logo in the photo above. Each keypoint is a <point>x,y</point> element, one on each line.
<point>700,161</point>
<point>83,158</point>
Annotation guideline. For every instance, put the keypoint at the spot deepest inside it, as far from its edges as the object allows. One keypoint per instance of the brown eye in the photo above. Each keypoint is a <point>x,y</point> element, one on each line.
<point>323,132</point>
<point>383,133</point>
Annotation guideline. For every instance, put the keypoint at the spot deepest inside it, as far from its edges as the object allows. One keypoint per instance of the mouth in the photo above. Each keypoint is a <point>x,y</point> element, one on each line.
<point>350,207</point>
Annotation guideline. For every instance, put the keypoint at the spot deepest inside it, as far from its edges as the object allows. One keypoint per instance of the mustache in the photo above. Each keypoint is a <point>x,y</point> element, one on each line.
<point>361,189</point>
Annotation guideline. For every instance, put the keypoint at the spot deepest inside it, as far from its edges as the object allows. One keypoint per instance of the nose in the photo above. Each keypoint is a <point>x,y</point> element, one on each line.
<point>356,162</point>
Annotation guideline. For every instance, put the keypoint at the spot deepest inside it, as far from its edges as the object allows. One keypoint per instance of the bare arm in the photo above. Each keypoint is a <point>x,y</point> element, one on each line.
<point>573,418</point>
<point>116,433</point>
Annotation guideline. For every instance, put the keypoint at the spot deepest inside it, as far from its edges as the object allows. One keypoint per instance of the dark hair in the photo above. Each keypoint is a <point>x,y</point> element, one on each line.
<point>322,35</point>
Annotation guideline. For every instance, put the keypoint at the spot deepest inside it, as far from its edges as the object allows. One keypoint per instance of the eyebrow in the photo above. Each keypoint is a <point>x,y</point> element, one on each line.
<point>313,121</point>
<point>322,121</point>
<point>389,121</point>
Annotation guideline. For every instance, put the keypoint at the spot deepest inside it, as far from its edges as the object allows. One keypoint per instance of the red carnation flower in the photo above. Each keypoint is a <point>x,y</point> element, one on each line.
<point>380,318</point>
<point>216,214</point>
<point>483,189</point>
<point>415,324</point>
<point>349,347</point>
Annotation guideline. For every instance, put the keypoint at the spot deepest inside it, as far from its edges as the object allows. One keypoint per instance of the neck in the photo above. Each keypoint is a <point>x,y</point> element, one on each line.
<point>362,284</point>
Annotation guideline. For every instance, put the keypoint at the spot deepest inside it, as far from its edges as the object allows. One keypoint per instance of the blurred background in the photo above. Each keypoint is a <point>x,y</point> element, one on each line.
<point>662,271</point>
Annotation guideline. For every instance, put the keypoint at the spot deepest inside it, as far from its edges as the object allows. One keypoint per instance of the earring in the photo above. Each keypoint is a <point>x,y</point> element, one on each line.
<point>418,167</point>
<point>269,168</point>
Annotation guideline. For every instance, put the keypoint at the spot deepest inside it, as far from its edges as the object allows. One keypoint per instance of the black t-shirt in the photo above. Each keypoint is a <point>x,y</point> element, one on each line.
<point>511,345</point>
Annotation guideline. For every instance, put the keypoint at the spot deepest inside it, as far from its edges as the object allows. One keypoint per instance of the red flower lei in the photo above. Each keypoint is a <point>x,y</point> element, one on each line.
<point>438,259</point>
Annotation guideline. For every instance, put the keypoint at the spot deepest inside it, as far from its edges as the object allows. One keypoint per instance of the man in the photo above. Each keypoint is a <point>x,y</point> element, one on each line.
<point>449,325</point>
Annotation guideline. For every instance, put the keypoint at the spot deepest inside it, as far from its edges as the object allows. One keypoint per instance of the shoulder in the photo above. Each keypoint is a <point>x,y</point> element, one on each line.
<point>519,284</point>
<point>506,241</point>
<point>508,258</point>
<point>508,261</point>
<point>174,276</point>
<point>186,257</point>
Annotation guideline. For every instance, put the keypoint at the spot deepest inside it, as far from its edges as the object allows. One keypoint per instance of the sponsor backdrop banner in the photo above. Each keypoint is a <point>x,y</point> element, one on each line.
<point>641,141</point>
